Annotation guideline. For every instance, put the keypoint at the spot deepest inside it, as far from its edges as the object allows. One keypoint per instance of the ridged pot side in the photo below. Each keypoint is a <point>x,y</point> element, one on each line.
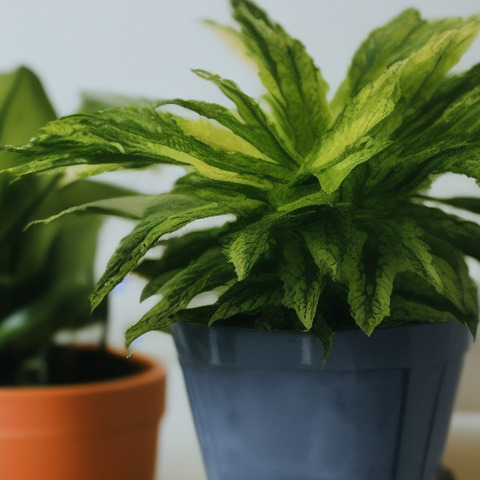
<point>265,407</point>
<point>96,431</point>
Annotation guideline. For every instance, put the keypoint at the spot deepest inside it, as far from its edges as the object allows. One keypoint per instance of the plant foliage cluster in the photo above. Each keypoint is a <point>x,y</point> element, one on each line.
<point>333,228</point>
<point>46,273</point>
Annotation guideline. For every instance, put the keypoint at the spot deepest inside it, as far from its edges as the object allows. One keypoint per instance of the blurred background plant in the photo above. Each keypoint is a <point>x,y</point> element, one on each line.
<point>46,271</point>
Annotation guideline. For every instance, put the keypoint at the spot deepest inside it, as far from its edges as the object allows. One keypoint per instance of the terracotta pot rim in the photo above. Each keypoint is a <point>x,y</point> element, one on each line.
<point>152,372</point>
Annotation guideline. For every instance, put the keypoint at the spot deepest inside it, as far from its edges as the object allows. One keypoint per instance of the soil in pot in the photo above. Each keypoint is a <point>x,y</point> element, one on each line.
<point>66,366</point>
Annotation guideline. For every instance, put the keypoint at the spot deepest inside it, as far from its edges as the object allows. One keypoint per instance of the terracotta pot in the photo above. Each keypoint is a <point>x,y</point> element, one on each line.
<point>97,431</point>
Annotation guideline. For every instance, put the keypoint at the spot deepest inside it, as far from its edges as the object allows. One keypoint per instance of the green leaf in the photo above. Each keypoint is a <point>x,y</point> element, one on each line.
<point>439,46</point>
<point>253,125</point>
<point>450,144</point>
<point>416,164</point>
<point>458,287</point>
<point>248,244</point>
<point>375,55</point>
<point>302,282</point>
<point>431,48</point>
<point>414,301</point>
<point>216,134</point>
<point>374,254</point>
<point>440,136</point>
<point>409,311</point>
<point>453,91</point>
<point>369,293</point>
<point>21,92</point>
<point>464,203</point>
<point>351,140</point>
<point>128,205</point>
<point>178,253</point>
<point>207,272</point>
<point>369,274</point>
<point>297,89</point>
<point>461,158</point>
<point>131,137</point>
<point>248,297</point>
<point>461,114</point>
<point>240,200</point>
<point>327,336</point>
<point>171,212</point>
<point>298,197</point>
<point>324,243</point>
<point>411,79</point>
<point>414,250</point>
<point>245,246</point>
<point>462,234</point>
<point>193,316</point>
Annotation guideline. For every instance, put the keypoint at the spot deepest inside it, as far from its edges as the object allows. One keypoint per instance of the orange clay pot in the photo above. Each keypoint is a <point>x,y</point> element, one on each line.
<point>92,431</point>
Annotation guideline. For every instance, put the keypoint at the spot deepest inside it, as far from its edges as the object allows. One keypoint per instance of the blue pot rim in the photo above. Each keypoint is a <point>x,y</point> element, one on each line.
<point>398,347</point>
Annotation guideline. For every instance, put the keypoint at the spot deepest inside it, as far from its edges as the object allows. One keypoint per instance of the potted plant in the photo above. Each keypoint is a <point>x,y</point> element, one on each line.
<point>63,407</point>
<point>341,301</point>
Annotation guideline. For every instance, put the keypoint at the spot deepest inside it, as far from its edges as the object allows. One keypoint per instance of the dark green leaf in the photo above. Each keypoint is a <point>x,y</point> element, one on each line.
<point>209,271</point>
<point>178,253</point>
<point>170,213</point>
<point>249,297</point>
<point>302,282</point>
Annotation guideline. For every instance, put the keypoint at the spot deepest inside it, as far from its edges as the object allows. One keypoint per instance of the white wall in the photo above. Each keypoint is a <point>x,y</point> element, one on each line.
<point>145,48</point>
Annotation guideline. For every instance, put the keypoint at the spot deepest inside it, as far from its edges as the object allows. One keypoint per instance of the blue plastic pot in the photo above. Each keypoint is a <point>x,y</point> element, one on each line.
<point>265,409</point>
